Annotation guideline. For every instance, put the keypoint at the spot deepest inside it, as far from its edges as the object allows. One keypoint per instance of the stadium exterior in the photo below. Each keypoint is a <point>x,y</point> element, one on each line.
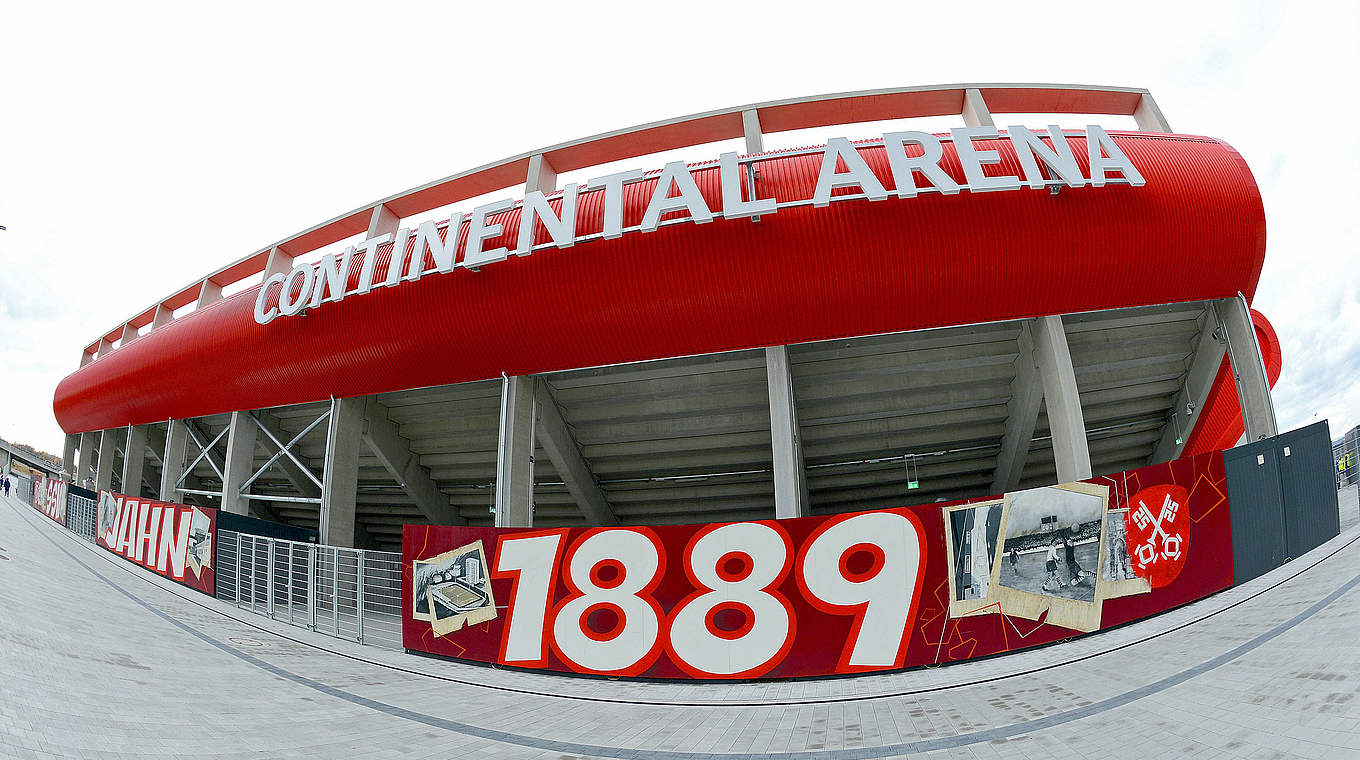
<point>788,334</point>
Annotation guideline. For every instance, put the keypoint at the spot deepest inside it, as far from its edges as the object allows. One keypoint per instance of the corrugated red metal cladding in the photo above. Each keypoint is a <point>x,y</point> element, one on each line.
<point>1195,231</point>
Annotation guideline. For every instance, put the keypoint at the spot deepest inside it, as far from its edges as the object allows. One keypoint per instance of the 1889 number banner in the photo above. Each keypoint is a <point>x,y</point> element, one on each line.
<point>844,593</point>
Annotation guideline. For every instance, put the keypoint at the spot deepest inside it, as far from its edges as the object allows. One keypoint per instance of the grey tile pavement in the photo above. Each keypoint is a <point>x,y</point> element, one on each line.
<point>100,660</point>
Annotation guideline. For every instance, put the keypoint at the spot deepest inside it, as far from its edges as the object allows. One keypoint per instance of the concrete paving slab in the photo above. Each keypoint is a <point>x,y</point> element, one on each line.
<point>102,660</point>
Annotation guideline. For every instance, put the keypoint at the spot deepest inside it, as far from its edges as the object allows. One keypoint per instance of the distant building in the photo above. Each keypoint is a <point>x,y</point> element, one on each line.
<point>1346,452</point>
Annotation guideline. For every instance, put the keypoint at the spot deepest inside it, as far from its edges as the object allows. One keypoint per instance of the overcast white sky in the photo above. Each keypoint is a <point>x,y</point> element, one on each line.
<point>142,146</point>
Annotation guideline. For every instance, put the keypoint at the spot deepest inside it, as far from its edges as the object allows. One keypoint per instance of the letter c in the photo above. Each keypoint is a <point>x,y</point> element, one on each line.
<point>261,316</point>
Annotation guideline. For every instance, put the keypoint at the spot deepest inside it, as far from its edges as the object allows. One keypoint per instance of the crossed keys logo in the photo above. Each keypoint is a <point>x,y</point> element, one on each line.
<point>1148,552</point>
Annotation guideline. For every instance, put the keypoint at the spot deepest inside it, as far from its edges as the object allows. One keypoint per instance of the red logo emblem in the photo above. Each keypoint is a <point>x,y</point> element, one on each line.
<point>1158,528</point>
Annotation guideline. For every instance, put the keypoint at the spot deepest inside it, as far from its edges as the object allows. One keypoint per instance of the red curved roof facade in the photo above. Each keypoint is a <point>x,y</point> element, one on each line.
<point>1195,231</point>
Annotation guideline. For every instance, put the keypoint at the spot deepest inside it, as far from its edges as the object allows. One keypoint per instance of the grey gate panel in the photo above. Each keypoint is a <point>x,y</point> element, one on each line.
<point>1257,509</point>
<point>1309,488</point>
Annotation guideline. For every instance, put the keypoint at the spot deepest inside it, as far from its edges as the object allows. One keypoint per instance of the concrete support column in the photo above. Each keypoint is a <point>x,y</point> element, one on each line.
<point>134,459</point>
<point>103,472</point>
<point>87,445</point>
<point>340,481</point>
<point>790,477</point>
<point>515,454</point>
<point>240,462</point>
<point>1065,421</point>
<point>172,461</point>
<point>68,456</point>
<point>1022,413</point>
<point>1253,388</point>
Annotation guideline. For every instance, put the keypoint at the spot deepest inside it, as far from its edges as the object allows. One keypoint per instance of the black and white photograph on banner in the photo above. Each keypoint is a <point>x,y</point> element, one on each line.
<point>108,513</point>
<point>1052,542</point>
<point>1117,566</point>
<point>1116,570</point>
<point>453,589</point>
<point>974,533</point>
<point>200,542</point>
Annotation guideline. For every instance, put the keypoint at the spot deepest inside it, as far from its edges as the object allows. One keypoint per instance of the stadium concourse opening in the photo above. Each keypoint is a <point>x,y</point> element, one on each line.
<point>883,421</point>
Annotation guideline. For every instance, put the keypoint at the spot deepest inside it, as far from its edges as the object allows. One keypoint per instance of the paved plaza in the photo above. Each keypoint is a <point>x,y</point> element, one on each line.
<point>101,660</point>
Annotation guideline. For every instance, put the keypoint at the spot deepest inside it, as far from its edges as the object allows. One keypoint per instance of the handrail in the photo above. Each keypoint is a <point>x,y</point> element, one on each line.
<point>972,101</point>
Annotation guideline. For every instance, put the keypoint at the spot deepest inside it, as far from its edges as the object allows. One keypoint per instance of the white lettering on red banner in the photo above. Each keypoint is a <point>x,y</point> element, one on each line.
<point>49,497</point>
<point>173,540</point>
<point>718,601</point>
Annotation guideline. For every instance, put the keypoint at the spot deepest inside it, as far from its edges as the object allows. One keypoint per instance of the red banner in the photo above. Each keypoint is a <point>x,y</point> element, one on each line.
<point>173,540</point>
<point>49,497</point>
<point>847,593</point>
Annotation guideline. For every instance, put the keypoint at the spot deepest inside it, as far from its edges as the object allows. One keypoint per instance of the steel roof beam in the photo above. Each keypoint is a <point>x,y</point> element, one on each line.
<point>1249,370</point>
<point>206,450</point>
<point>1148,116</point>
<point>973,102</point>
<point>384,439</point>
<point>975,111</point>
<point>1199,379</point>
<point>293,467</point>
<point>555,436</point>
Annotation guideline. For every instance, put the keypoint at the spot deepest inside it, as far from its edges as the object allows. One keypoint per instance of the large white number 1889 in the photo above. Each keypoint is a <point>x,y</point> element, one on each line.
<point>735,623</point>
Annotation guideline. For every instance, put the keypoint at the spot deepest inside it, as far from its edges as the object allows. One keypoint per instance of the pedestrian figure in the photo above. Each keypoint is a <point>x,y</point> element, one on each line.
<point>1120,569</point>
<point>1051,565</point>
<point>1075,571</point>
<point>1015,561</point>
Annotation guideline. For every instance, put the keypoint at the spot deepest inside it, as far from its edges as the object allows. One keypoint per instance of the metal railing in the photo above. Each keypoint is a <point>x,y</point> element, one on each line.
<point>352,594</point>
<point>81,515</point>
<point>23,488</point>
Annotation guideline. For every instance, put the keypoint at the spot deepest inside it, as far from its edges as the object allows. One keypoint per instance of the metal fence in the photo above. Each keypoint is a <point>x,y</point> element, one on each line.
<point>81,515</point>
<point>23,488</point>
<point>347,593</point>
